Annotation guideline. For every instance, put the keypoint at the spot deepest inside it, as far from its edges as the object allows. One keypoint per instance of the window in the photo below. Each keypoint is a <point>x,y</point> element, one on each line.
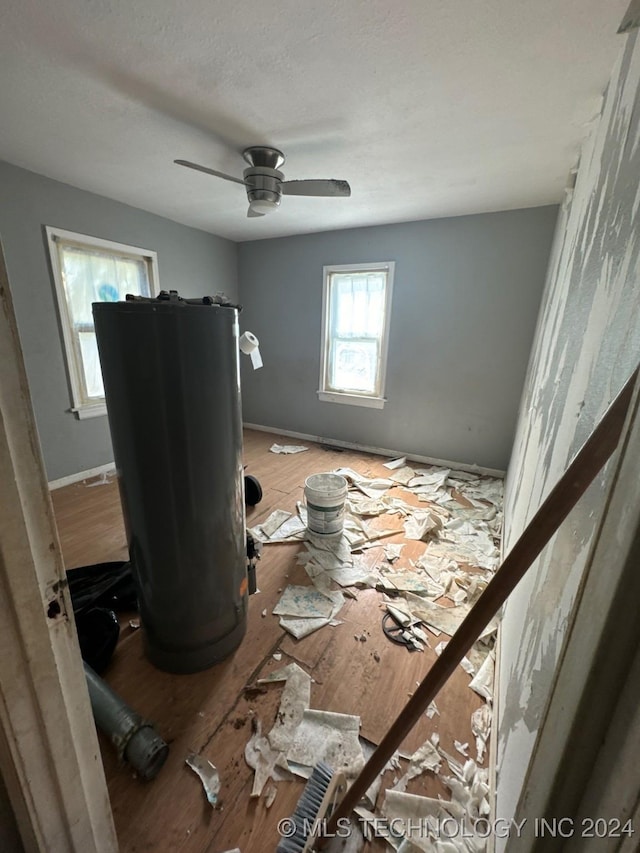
<point>86,270</point>
<point>355,333</point>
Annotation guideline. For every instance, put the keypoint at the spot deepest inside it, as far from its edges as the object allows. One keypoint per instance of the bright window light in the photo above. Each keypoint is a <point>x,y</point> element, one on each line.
<point>87,270</point>
<point>357,303</point>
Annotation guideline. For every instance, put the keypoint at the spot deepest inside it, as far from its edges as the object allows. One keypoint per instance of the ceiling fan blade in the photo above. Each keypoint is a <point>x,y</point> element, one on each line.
<point>251,213</point>
<point>329,187</point>
<point>208,171</point>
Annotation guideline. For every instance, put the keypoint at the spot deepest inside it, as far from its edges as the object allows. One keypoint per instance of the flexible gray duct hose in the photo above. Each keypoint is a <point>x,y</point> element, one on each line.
<point>134,738</point>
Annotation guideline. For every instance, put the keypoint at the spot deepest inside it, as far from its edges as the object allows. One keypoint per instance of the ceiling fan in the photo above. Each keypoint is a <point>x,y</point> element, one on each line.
<point>265,184</point>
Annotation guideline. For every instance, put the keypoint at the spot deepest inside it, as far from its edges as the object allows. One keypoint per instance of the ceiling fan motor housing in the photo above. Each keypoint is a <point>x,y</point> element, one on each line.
<point>263,184</point>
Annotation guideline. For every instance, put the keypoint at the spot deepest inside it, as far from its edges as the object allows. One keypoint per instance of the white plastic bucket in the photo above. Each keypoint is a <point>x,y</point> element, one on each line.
<point>325,495</point>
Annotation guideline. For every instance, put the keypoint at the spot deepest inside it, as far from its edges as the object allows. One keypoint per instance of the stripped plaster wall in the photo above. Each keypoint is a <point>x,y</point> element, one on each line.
<point>191,261</point>
<point>466,294</point>
<point>586,345</point>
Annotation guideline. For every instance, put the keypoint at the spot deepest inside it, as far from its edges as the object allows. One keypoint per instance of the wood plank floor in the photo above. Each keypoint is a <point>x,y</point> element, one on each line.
<point>210,712</point>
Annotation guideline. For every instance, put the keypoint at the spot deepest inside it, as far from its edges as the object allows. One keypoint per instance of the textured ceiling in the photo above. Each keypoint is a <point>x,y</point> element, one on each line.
<point>429,108</point>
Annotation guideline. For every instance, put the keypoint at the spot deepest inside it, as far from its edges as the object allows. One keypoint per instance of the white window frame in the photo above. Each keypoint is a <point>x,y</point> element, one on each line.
<point>80,407</point>
<point>373,401</point>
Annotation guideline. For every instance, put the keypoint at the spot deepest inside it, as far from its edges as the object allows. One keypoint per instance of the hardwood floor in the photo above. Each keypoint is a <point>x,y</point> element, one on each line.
<point>210,712</point>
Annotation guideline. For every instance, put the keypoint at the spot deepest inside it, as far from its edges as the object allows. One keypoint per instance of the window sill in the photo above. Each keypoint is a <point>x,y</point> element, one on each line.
<point>91,410</point>
<point>351,399</point>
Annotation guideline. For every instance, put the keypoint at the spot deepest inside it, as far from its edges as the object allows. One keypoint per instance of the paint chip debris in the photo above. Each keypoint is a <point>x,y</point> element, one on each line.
<point>481,729</point>
<point>462,748</point>
<point>392,464</point>
<point>459,522</point>
<point>330,737</point>
<point>270,793</point>
<point>208,776</point>
<point>482,682</point>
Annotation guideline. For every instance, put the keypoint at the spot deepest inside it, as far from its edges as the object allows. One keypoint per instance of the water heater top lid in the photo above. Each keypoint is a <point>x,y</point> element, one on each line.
<point>165,300</point>
<point>173,297</point>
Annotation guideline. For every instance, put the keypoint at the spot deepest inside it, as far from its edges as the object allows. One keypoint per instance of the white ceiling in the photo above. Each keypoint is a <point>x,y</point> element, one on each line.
<point>429,108</point>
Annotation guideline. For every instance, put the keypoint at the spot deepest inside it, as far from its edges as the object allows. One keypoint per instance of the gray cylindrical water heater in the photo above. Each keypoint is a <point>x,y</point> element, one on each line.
<point>172,385</point>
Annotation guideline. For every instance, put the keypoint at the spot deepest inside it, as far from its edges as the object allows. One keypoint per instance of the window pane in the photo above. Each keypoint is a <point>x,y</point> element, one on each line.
<point>96,276</point>
<point>131,277</point>
<point>354,353</point>
<point>358,304</point>
<point>353,366</point>
<point>91,364</point>
<point>77,276</point>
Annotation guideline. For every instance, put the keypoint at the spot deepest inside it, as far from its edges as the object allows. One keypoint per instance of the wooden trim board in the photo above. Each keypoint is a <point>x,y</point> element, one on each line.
<point>49,756</point>
<point>70,479</point>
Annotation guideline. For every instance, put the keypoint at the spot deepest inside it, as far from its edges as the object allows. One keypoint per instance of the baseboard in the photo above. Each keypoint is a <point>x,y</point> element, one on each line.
<point>318,439</point>
<point>81,475</point>
<point>380,451</point>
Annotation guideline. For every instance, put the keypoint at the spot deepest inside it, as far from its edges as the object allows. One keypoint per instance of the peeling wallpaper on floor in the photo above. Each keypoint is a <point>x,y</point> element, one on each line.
<point>587,343</point>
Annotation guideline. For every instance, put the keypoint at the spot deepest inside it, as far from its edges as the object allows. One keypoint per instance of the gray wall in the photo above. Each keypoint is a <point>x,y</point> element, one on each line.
<point>465,300</point>
<point>191,261</point>
<point>587,344</point>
